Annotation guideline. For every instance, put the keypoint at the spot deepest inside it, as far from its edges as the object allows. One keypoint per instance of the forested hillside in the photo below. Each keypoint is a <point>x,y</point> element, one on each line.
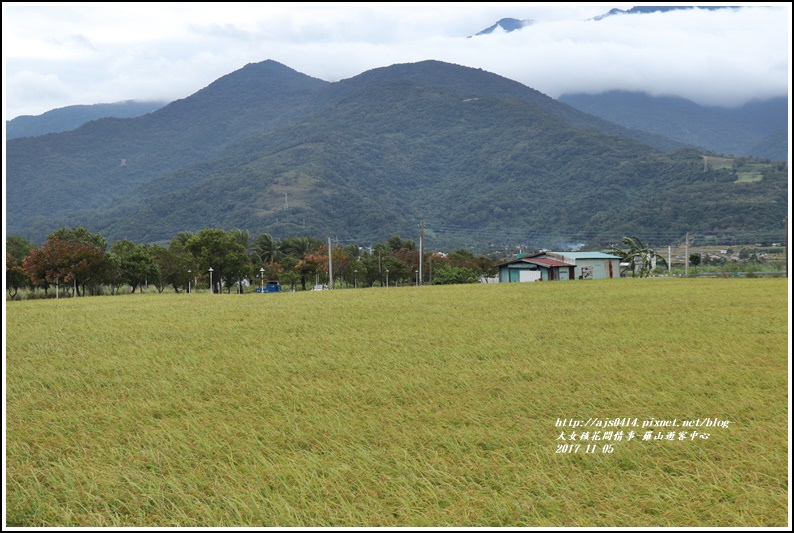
<point>477,157</point>
<point>72,117</point>
<point>758,129</point>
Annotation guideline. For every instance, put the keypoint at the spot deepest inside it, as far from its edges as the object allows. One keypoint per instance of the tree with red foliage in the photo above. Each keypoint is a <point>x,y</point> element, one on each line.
<point>62,261</point>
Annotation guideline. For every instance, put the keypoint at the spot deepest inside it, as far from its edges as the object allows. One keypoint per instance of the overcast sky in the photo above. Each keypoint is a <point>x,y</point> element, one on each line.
<point>55,55</point>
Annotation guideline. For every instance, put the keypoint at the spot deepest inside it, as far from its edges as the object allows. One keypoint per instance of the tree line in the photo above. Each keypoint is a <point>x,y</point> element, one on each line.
<point>81,263</point>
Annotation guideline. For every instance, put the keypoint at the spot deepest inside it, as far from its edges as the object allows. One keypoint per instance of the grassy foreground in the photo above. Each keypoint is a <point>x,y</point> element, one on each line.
<point>430,406</point>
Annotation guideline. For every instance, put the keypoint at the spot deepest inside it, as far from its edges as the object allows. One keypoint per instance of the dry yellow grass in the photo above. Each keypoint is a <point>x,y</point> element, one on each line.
<point>430,406</point>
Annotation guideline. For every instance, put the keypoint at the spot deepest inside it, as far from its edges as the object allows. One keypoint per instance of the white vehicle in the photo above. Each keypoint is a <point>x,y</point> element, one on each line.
<point>320,288</point>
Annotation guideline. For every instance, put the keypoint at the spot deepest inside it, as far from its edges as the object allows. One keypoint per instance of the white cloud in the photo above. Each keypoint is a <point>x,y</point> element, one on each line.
<point>57,55</point>
<point>34,90</point>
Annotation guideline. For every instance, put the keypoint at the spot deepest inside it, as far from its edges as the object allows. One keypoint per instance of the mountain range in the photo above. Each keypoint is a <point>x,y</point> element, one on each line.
<point>758,128</point>
<point>478,157</point>
<point>644,10</point>
<point>72,117</point>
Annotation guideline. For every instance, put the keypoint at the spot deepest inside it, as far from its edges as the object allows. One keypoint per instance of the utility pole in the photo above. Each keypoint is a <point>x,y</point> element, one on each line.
<point>686,256</point>
<point>330,267</point>
<point>421,250</point>
<point>669,260</point>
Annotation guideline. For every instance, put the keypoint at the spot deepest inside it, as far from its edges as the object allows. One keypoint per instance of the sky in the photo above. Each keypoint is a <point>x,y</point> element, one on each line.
<point>61,54</point>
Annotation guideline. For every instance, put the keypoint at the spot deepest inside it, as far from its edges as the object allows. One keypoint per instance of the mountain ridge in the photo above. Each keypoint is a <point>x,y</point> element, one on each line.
<point>369,155</point>
<point>743,131</point>
<point>72,117</point>
<point>645,10</point>
<point>506,24</point>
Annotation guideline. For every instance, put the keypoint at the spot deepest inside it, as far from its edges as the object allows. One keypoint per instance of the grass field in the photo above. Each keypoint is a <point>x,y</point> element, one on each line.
<point>429,406</point>
<point>748,177</point>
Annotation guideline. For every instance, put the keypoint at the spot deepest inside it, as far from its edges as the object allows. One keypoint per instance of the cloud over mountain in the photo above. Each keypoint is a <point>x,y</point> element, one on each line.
<point>723,57</point>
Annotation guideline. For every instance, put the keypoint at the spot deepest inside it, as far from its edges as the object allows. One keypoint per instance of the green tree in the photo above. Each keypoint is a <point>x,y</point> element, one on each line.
<point>267,249</point>
<point>17,249</point>
<point>219,250</point>
<point>112,273</point>
<point>395,270</point>
<point>182,237</point>
<point>289,278</point>
<point>137,264</point>
<point>370,267</point>
<point>172,268</point>
<point>299,247</point>
<point>182,269</point>
<point>395,243</point>
<point>83,236</point>
<point>481,266</point>
<point>461,256</point>
<point>243,236</point>
<point>242,271</point>
<point>360,275</point>
<point>447,275</point>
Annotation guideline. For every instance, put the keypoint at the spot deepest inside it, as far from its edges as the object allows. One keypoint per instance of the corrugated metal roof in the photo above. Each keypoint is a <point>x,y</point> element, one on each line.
<point>586,255</point>
<point>538,259</point>
<point>545,261</point>
<point>542,261</point>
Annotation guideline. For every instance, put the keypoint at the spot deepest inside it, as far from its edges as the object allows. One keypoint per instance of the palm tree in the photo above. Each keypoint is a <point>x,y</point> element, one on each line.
<point>183,236</point>
<point>352,251</point>
<point>637,254</point>
<point>243,236</point>
<point>267,249</point>
<point>298,247</point>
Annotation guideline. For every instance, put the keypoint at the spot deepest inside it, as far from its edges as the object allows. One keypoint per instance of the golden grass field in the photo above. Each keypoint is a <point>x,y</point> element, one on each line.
<point>414,406</point>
